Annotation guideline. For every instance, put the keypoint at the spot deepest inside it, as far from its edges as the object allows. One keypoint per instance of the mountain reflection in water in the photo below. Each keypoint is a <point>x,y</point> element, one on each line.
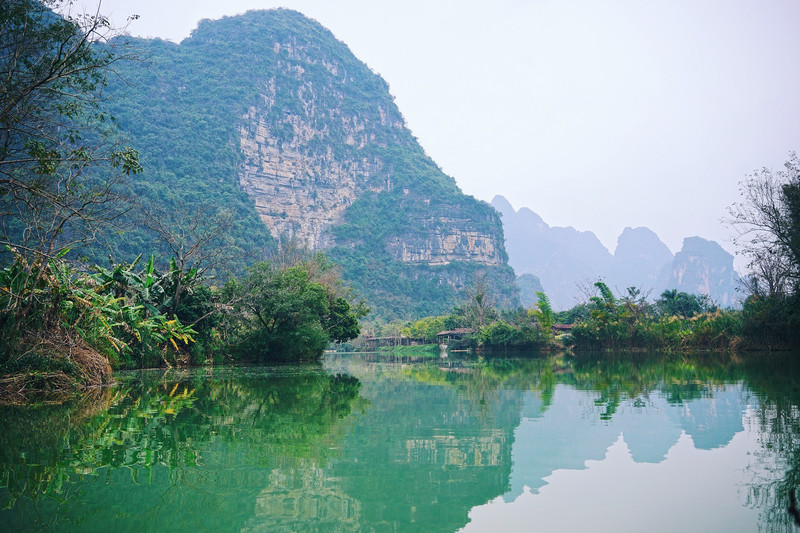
<point>376,443</point>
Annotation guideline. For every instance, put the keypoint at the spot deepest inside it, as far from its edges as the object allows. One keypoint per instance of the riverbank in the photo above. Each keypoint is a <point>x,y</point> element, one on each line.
<point>54,370</point>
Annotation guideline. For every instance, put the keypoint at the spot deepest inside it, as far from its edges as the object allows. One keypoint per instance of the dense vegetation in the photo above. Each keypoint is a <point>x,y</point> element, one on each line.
<point>60,323</point>
<point>676,322</point>
<point>64,177</point>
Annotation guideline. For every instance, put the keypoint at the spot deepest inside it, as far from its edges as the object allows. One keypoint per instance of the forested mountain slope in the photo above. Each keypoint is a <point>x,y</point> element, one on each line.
<point>268,118</point>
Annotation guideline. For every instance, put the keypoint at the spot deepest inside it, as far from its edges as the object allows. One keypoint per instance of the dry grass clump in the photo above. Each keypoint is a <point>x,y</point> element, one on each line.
<point>53,369</point>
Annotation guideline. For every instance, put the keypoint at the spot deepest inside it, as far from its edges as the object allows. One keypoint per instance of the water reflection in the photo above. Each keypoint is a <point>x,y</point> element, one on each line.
<point>179,451</point>
<point>370,443</point>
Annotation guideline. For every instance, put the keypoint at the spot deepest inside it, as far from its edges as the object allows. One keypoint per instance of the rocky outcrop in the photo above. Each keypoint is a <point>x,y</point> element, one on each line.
<point>310,151</point>
<point>703,267</point>
<point>443,249</point>
<point>440,240</point>
<point>306,157</point>
<point>297,194</point>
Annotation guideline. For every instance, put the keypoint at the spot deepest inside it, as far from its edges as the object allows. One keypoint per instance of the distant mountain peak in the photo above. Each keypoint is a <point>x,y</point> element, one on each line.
<point>502,204</point>
<point>641,241</point>
<point>703,267</point>
<point>565,259</point>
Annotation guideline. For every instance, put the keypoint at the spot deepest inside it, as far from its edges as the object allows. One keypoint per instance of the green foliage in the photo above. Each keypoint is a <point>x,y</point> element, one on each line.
<point>426,328</point>
<point>147,319</point>
<point>138,316</point>
<point>516,329</point>
<point>181,110</point>
<point>114,311</point>
<point>772,322</point>
<point>575,314</point>
<point>285,314</point>
<point>544,312</point>
<point>501,335</point>
<point>674,303</point>
<point>60,162</point>
<point>398,290</point>
<point>631,323</point>
<point>430,351</point>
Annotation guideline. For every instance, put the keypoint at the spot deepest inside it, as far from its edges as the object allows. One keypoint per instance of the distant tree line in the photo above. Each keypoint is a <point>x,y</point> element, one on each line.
<point>676,321</point>
<point>767,222</point>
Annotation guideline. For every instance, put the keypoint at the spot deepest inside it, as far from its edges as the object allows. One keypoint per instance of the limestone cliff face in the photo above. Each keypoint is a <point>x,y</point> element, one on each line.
<point>442,249</point>
<point>326,132</point>
<point>442,240</point>
<point>297,194</point>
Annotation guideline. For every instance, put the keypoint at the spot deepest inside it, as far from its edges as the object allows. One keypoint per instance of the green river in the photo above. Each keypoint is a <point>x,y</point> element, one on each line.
<point>371,442</point>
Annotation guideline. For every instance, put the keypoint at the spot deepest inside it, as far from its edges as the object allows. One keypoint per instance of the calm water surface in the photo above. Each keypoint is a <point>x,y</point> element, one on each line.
<point>366,442</point>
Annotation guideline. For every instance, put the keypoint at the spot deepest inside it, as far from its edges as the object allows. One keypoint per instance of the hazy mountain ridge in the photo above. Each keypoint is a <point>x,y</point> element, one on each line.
<point>567,260</point>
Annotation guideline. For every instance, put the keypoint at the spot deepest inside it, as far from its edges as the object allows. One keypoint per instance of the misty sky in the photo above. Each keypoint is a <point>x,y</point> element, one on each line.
<point>595,114</point>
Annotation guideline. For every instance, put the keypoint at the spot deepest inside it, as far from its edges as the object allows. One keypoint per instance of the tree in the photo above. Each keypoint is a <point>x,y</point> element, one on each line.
<point>767,223</point>
<point>674,303</point>
<point>197,240</point>
<point>479,309</point>
<point>287,315</point>
<point>59,162</point>
<point>544,314</point>
<point>425,328</point>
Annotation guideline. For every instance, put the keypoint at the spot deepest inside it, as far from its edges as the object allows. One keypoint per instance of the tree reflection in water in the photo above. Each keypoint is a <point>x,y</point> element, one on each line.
<point>374,443</point>
<point>775,381</point>
<point>180,440</point>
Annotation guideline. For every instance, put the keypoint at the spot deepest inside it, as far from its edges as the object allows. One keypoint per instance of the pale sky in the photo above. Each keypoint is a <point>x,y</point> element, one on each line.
<point>594,114</point>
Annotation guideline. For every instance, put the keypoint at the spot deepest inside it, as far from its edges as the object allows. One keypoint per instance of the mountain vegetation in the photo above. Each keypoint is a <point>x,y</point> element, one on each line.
<point>64,176</point>
<point>266,120</point>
